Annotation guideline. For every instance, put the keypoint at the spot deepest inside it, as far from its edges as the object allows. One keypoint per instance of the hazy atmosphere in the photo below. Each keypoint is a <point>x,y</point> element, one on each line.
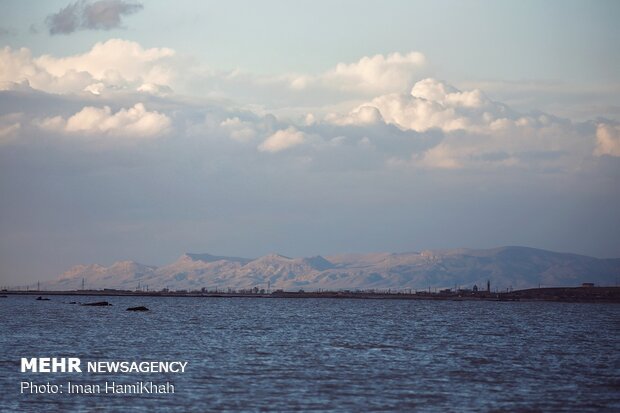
<point>142,130</point>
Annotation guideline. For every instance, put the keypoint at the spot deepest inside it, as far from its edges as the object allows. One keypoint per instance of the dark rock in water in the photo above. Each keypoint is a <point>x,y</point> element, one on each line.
<point>141,308</point>
<point>98,304</point>
<point>4,296</point>
<point>42,299</point>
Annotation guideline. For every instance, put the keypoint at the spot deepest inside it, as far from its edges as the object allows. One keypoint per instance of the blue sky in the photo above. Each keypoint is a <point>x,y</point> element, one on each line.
<point>140,131</point>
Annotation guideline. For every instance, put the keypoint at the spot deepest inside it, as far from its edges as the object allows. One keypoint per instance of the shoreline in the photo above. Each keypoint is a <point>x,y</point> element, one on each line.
<point>558,294</point>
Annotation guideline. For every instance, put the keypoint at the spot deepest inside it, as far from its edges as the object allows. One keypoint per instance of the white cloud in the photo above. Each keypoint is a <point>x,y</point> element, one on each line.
<point>370,75</point>
<point>441,156</point>
<point>115,63</point>
<point>432,104</point>
<point>95,88</point>
<point>433,90</point>
<point>114,58</point>
<point>607,140</point>
<point>17,67</point>
<point>378,74</point>
<point>238,130</point>
<point>282,139</point>
<point>309,119</point>
<point>476,131</point>
<point>155,89</point>
<point>10,126</point>
<point>364,115</point>
<point>135,122</point>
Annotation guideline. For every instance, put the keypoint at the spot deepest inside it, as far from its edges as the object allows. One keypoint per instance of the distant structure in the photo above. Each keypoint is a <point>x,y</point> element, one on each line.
<point>488,286</point>
<point>587,285</point>
<point>475,289</point>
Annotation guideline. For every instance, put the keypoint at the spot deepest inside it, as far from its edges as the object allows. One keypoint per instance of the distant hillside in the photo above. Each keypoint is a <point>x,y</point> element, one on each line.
<point>516,267</point>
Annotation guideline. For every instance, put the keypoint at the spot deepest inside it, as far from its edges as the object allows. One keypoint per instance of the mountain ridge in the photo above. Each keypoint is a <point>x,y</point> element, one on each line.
<point>505,267</point>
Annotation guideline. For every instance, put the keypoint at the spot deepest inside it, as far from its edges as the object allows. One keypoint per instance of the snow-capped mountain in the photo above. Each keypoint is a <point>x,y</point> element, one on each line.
<point>516,267</point>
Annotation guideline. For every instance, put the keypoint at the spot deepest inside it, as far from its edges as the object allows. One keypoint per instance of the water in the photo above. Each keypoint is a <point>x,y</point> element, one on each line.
<point>250,354</point>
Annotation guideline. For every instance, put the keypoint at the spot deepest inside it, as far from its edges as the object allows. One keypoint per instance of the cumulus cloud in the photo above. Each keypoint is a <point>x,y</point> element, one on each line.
<point>477,132</point>
<point>135,122</point>
<point>434,104</point>
<point>378,73</point>
<point>114,59</point>
<point>85,15</point>
<point>607,140</point>
<point>113,64</point>
<point>282,139</point>
<point>370,75</point>
<point>364,115</point>
<point>17,67</point>
<point>238,129</point>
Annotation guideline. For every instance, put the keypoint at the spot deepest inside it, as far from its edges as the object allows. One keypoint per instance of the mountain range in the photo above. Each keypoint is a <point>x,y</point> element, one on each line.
<point>504,267</point>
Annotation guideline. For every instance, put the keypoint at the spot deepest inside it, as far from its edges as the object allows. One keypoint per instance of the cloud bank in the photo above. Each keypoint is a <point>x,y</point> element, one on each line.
<point>432,126</point>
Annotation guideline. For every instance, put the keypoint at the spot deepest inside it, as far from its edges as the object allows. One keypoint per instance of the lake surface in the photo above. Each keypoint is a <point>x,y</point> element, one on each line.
<point>251,354</point>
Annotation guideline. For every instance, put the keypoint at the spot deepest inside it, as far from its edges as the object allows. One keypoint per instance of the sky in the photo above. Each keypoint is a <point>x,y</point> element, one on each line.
<point>139,131</point>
